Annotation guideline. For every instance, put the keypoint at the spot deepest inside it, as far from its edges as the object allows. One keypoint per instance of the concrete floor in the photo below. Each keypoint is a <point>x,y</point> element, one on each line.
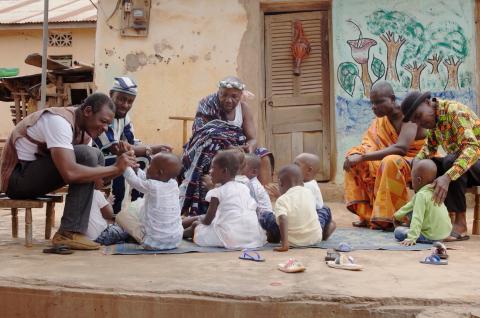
<point>393,284</point>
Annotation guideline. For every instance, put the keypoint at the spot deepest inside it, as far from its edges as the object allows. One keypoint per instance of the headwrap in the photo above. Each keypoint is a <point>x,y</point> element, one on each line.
<point>411,102</point>
<point>231,83</point>
<point>125,85</point>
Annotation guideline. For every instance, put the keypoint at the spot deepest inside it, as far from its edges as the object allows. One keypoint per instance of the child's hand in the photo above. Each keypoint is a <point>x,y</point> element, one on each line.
<point>407,242</point>
<point>111,199</point>
<point>281,249</point>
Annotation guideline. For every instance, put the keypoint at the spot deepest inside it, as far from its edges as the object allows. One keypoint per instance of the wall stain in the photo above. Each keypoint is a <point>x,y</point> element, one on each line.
<point>208,56</point>
<point>162,46</point>
<point>131,62</point>
<point>193,58</point>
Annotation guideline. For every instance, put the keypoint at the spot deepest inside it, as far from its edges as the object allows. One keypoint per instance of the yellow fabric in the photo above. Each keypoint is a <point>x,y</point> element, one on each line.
<point>374,190</point>
<point>298,205</point>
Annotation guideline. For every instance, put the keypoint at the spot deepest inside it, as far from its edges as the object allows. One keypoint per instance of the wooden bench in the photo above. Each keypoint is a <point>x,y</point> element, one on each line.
<point>476,210</point>
<point>28,205</point>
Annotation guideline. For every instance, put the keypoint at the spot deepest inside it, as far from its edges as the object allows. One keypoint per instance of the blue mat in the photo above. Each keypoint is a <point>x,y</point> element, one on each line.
<point>359,239</point>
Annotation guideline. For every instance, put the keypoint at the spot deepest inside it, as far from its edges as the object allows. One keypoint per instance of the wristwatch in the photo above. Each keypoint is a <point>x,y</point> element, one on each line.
<point>148,151</point>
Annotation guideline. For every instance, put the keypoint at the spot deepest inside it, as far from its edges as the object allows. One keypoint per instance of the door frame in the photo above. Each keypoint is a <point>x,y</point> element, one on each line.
<point>293,6</point>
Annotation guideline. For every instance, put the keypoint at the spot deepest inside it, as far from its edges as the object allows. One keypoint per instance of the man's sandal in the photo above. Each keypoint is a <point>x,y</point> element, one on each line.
<point>58,249</point>
<point>440,249</point>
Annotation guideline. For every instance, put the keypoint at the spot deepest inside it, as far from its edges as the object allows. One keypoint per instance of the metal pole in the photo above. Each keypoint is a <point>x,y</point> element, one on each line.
<point>43,87</point>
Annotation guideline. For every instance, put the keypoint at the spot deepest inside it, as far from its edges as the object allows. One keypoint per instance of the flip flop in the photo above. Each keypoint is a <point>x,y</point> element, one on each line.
<point>434,260</point>
<point>291,266</point>
<point>58,249</point>
<point>347,263</point>
<point>457,237</point>
<point>343,247</point>
<point>251,257</point>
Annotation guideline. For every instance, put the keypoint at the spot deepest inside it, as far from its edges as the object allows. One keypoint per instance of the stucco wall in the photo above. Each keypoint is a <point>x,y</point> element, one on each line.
<point>191,45</point>
<point>17,44</point>
<point>426,32</point>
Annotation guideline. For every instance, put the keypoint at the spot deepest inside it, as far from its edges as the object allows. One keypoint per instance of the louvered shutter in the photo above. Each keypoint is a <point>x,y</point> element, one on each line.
<point>297,106</point>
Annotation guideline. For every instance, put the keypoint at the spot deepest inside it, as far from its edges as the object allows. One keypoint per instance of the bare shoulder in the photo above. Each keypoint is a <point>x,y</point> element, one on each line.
<point>246,111</point>
<point>420,133</point>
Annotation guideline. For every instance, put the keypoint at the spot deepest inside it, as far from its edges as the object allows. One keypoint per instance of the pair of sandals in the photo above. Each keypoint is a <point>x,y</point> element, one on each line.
<point>439,255</point>
<point>291,266</point>
<point>340,261</point>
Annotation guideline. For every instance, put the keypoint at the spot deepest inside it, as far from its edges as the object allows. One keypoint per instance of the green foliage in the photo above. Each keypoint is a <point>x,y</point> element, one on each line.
<point>447,39</point>
<point>378,68</point>
<point>346,73</point>
<point>466,79</point>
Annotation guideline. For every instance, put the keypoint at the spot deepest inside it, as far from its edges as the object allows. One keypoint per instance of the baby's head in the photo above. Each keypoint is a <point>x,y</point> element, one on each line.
<point>289,176</point>
<point>225,166</point>
<point>423,173</point>
<point>164,166</point>
<point>309,165</point>
<point>239,155</point>
<point>252,166</point>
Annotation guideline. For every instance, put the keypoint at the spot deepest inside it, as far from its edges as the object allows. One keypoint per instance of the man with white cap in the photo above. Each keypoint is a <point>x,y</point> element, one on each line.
<point>119,137</point>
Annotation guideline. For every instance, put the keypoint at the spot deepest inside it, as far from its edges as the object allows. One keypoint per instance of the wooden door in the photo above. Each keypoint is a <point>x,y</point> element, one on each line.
<point>297,107</point>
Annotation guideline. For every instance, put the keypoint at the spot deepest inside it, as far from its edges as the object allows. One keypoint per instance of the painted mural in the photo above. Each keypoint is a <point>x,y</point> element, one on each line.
<point>415,45</point>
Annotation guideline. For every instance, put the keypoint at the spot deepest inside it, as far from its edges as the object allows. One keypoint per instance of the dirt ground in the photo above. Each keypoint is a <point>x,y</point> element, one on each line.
<point>393,284</point>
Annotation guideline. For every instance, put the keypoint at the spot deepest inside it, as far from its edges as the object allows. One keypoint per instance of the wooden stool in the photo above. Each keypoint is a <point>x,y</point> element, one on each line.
<point>476,210</point>
<point>28,205</point>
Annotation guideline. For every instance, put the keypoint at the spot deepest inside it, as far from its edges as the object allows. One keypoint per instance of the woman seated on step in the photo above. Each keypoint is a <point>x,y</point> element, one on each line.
<point>223,120</point>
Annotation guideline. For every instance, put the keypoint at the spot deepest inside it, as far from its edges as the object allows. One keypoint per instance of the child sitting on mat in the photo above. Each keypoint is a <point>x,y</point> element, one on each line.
<point>161,208</point>
<point>231,219</point>
<point>310,165</point>
<point>101,227</point>
<point>428,222</point>
<point>295,211</point>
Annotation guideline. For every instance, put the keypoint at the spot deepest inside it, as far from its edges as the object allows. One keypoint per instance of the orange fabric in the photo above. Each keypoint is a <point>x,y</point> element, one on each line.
<point>375,190</point>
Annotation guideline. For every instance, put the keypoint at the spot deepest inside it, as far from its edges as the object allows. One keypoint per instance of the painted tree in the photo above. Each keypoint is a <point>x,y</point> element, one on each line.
<point>397,29</point>
<point>449,40</point>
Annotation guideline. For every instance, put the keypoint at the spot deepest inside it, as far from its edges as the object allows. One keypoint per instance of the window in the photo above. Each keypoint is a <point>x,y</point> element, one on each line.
<point>60,39</point>
<point>62,59</point>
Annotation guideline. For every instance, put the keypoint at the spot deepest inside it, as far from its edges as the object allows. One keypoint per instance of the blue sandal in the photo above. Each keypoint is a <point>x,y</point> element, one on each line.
<point>251,257</point>
<point>434,260</point>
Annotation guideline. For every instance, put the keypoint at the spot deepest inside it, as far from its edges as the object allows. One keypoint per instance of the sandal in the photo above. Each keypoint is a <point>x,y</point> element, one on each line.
<point>434,260</point>
<point>291,266</point>
<point>360,224</point>
<point>347,263</point>
<point>343,247</point>
<point>440,249</point>
<point>58,249</point>
<point>251,257</point>
<point>454,237</point>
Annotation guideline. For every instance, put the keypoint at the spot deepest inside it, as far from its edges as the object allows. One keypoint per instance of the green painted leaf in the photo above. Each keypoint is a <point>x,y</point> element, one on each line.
<point>378,68</point>
<point>346,73</point>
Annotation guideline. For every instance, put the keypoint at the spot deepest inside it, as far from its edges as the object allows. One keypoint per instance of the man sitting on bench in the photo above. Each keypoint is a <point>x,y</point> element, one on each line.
<point>49,148</point>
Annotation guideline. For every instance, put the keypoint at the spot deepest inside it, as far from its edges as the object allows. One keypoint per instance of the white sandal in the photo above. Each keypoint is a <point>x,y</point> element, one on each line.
<point>291,266</point>
<point>344,262</point>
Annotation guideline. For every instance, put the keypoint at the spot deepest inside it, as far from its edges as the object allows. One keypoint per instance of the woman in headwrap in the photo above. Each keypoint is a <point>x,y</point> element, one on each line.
<point>223,120</point>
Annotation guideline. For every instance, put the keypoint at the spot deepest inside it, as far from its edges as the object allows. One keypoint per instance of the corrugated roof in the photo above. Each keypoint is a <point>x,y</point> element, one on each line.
<point>31,11</point>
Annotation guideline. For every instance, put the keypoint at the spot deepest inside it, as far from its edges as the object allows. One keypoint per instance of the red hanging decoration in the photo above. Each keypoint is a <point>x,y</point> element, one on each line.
<point>300,47</point>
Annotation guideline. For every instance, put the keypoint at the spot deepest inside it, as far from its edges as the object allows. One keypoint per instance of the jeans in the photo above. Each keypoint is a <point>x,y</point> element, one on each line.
<point>401,233</point>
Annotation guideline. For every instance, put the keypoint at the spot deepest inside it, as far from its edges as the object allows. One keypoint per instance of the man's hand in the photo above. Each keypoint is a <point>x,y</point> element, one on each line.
<point>407,242</point>
<point>441,189</point>
<point>351,161</point>
<point>123,147</point>
<point>161,148</point>
<point>283,248</point>
<point>126,160</point>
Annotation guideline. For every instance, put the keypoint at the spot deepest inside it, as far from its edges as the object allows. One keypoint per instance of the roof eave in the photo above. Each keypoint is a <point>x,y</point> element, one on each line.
<point>51,25</point>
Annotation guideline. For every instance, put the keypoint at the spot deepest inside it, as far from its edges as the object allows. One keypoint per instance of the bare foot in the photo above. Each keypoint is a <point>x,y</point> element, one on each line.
<point>329,229</point>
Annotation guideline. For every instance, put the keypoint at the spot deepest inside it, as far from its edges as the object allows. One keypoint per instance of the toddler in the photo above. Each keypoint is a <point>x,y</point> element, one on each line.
<point>231,219</point>
<point>428,222</point>
<point>161,207</point>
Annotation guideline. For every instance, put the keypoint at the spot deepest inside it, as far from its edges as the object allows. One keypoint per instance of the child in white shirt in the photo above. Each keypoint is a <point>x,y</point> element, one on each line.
<point>310,165</point>
<point>161,208</point>
<point>100,223</point>
<point>231,220</point>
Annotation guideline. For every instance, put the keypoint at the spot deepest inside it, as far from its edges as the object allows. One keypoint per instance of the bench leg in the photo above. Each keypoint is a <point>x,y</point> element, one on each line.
<point>476,216</point>
<point>28,227</point>
<point>14,222</point>
<point>49,219</point>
